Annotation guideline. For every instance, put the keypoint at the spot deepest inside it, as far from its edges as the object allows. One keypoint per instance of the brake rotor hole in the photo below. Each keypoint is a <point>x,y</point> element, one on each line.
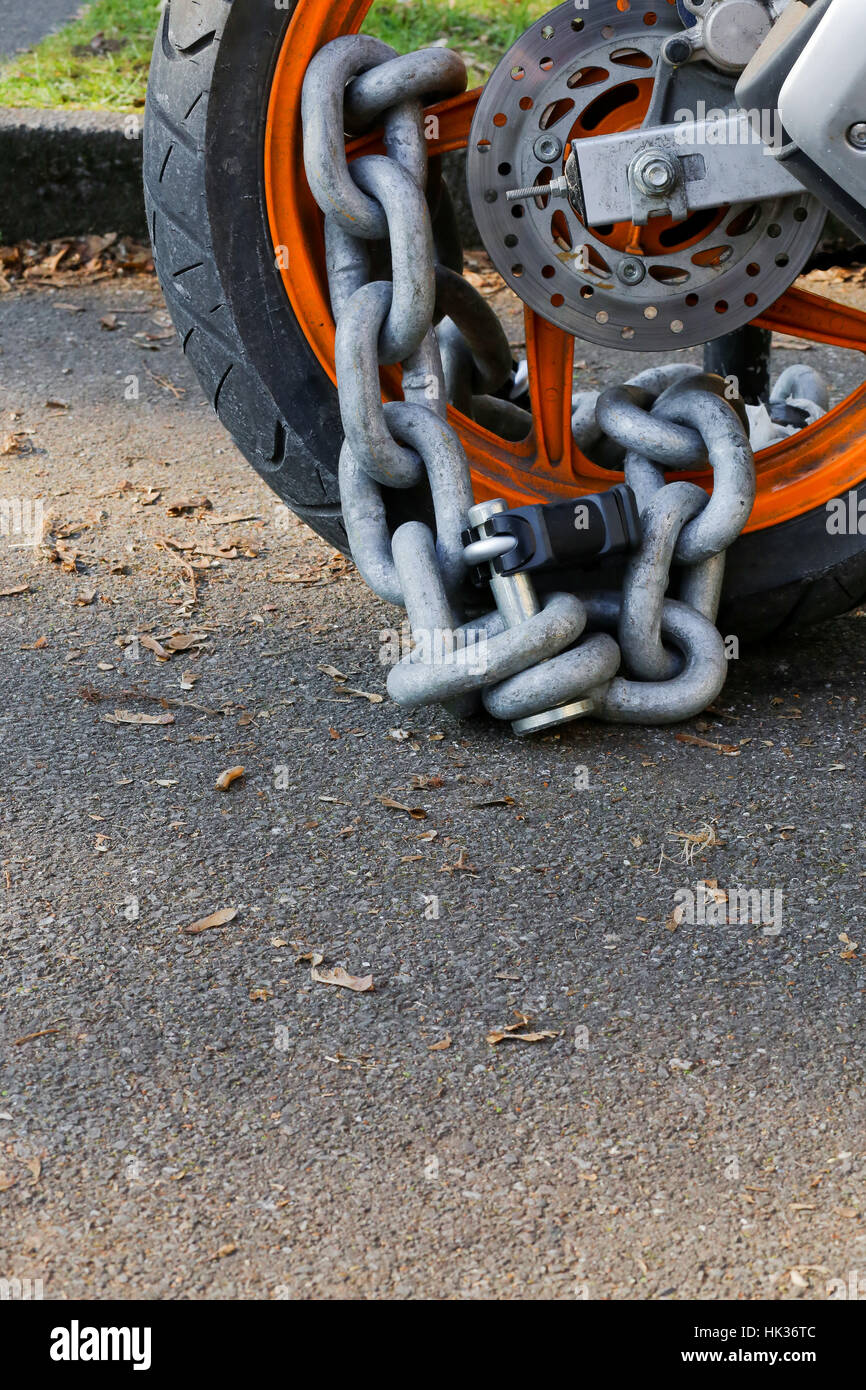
<point>676,325</point>
<point>650,312</point>
<point>721,306</point>
<point>631,58</point>
<point>577,25</point>
<point>607,102</point>
<point>774,230</point>
<point>587,77</point>
<point>596,260</point>
<point>751,300</point>
<point>500,119</point>
<point>518,73</point>
<point>548,271</point>
<point>690,228</point>
<point>504,169</point>
<point>692,299</point>
<point>744,221</point>
<point>753,269</point>
<point>526,103</point>
<point>650,19</point>
<point>547,32</point>
<point>560,230</point>
<point>546,64</point>
<point>511,240</point>
<point>557,300</point>
<point>602,316</point>
<point>669,274</point>
<point>800,214</point>
<point>517,270</point>
<point>517,210</point>
<point>587,292</point>
<point>713,256</point>
<point>553,114</point>
<point>542,177</point>
<point>782,260</point>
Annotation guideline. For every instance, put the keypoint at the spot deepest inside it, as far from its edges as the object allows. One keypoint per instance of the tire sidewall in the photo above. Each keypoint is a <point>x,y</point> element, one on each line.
<point>274,342</point>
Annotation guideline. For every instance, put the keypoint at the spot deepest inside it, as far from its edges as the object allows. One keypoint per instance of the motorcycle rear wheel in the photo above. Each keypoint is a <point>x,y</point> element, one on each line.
<point>224,189</point>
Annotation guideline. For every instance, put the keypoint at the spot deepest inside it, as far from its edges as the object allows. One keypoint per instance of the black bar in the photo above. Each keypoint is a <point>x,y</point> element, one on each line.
<point>232,1343</point>
<point>744,354</point>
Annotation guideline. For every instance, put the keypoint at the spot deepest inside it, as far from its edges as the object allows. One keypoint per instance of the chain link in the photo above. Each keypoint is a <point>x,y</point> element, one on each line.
<point>651,658</point>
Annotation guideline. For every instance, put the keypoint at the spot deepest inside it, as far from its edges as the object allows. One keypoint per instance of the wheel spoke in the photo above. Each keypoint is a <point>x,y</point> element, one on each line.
<point>804,315</point>
<point>447,122</point>
<point>550,360</point>
<point>453,120</point>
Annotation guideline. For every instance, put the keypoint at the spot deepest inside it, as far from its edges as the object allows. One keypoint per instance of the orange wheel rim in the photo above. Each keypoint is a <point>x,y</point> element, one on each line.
<point>823,461</point>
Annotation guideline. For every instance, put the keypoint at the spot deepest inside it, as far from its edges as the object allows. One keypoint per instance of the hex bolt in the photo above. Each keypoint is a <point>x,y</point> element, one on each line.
<point>631,271</point>
<point>856,135</point>
<point>557,188</point>
<point>654,172</point>
<point>547,148</point>
<point>517,601</point>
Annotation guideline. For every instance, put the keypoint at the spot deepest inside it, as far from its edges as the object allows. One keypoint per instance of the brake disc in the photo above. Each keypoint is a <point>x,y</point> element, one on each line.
<point>576,73</point>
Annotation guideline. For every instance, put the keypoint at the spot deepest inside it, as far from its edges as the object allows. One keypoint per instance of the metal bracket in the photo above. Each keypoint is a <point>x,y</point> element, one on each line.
<point>716,160</point>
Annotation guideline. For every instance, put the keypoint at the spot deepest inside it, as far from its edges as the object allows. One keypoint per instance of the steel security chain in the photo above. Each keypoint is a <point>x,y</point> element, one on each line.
<point>398,296</point>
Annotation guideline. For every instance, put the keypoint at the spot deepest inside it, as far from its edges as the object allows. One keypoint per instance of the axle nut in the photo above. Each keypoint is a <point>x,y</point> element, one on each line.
<point>654,172</point>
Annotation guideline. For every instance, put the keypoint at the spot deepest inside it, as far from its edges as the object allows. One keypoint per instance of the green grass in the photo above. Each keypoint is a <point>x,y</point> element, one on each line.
<point>54,74</point>
<point>480,30</point>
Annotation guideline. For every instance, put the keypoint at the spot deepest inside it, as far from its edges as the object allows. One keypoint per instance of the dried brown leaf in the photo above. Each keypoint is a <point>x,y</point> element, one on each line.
<point>181,505</point>
<point>497,1036</point>
<point>127,716</point>
<point>338,976</point>
<point>728,750</point>
<point>220,918</point>
<point>151,644</point>
<point>225,779</point>
<point>416,812</point>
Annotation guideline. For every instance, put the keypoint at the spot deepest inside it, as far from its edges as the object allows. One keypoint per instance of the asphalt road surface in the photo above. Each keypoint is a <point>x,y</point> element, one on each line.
<point>193,1114</point>
<point>24,23</point>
